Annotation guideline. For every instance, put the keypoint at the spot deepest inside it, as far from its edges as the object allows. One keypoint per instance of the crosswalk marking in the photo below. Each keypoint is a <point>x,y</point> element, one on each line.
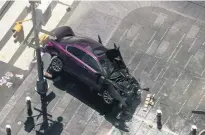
<point>14,53</point>
<point>3,4</point>
<point>26,57</point>
<point>10,48</point>
<point>10,16</point>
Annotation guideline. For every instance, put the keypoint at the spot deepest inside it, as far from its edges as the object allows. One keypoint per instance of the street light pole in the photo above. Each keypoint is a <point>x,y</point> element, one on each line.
<point>41,84</point>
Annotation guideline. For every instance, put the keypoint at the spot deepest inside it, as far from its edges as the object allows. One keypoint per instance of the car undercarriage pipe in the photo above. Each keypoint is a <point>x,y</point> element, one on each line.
<point>159,119</point>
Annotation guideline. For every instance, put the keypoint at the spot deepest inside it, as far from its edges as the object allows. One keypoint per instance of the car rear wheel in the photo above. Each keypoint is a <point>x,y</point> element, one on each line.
<point>107,98</point>
<point>56,64</point>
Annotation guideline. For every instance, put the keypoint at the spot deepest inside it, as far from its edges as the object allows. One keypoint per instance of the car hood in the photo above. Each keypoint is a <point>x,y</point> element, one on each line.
<point>115,57</point>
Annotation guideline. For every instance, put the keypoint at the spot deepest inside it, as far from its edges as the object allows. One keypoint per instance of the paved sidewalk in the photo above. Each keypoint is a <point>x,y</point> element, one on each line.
<point>162,44</point>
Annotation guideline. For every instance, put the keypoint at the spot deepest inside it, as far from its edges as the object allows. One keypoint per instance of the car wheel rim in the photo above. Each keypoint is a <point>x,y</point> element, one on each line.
<point>107,98</point>
<point>57,65</point>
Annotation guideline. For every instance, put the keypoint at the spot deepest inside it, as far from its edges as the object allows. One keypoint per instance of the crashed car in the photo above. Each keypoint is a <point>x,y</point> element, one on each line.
<point>102,69</point>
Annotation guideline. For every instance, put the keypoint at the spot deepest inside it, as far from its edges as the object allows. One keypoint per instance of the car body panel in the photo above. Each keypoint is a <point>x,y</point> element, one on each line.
<point>84,71</point>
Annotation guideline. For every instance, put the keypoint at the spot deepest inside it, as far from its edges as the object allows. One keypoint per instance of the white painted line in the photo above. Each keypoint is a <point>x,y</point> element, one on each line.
<point>177,79</point>
<point>181,40</point>
<point>159,74</point>
<point>202,72</point>
<point>132,58</point>
<point>136,67</point>
<point>167,120</point>
<point>152,36</point>
<point>73,116</point>
<point>192,45</point>
<point>164,33</point>
<point>154,66</point>
<point>67,2</point>
<point>27,56</point>
<point>176,47</point>
<point>188,61</point>
<point>157,100</point>
<point>152,48</point>
<point>134,39</point>
<point>2,2</point>
<point>161,88</point>
<point>11,16</point>
<point>165,70</point>
<point>187,87</point>
<point>177,52</point>
<point>181,107</point>
<point>125,32</point>
<point>25,59</point>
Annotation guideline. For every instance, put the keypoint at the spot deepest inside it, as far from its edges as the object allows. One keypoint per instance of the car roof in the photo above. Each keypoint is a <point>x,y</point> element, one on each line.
<point>84,41</point>
<point>87,43</point>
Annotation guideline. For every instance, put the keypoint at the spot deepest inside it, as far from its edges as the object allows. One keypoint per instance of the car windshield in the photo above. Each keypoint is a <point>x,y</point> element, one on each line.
<point>107,66</point>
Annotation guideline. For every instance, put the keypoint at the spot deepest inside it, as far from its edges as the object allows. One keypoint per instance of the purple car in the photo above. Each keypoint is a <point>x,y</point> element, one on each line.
<point>102,69</point>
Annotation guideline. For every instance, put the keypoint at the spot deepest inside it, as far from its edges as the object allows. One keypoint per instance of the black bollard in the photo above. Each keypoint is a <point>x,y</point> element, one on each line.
<point>29,123</point>
<point>8,130</point>
<point>159,121</point>
<point>193,129</point>
<point>29,109</point>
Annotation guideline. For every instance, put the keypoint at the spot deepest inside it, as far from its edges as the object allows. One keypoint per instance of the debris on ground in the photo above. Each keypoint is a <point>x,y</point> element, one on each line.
<point>149,101</point>
<point>20,76</point>
<point>9,84</point>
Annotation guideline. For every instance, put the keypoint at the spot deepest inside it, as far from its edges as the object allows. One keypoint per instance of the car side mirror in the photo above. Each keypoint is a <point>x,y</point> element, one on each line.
<point>100,77</point>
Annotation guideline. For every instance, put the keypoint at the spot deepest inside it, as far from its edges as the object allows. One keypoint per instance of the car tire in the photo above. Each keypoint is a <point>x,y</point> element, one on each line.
<point>56,64</point>
<point>64,31</point>
<point>107,98</point>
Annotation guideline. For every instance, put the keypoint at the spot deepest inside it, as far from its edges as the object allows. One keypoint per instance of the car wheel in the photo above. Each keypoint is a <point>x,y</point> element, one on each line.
<point>107,98</point>
<point>63,31</point>
<point>56,64</point>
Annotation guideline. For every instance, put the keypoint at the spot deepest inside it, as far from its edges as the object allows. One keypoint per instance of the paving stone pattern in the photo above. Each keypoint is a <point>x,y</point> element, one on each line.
<point>164,48</point>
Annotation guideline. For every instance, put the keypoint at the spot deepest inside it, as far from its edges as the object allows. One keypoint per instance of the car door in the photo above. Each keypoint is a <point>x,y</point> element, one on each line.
<point>92,70</point>
<point>74,64</point>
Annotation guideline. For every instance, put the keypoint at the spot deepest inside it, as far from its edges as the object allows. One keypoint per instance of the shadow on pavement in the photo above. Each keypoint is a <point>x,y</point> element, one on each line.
<point>89,97</point>
<point>55,128</point>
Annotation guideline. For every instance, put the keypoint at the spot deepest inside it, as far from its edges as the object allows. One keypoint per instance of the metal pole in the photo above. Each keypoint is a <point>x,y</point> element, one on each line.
<point>36,33</point>
<point>41,82</point>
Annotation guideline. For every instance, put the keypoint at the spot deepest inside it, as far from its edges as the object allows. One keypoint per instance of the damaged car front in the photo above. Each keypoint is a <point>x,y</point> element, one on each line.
<point>123,85</point>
